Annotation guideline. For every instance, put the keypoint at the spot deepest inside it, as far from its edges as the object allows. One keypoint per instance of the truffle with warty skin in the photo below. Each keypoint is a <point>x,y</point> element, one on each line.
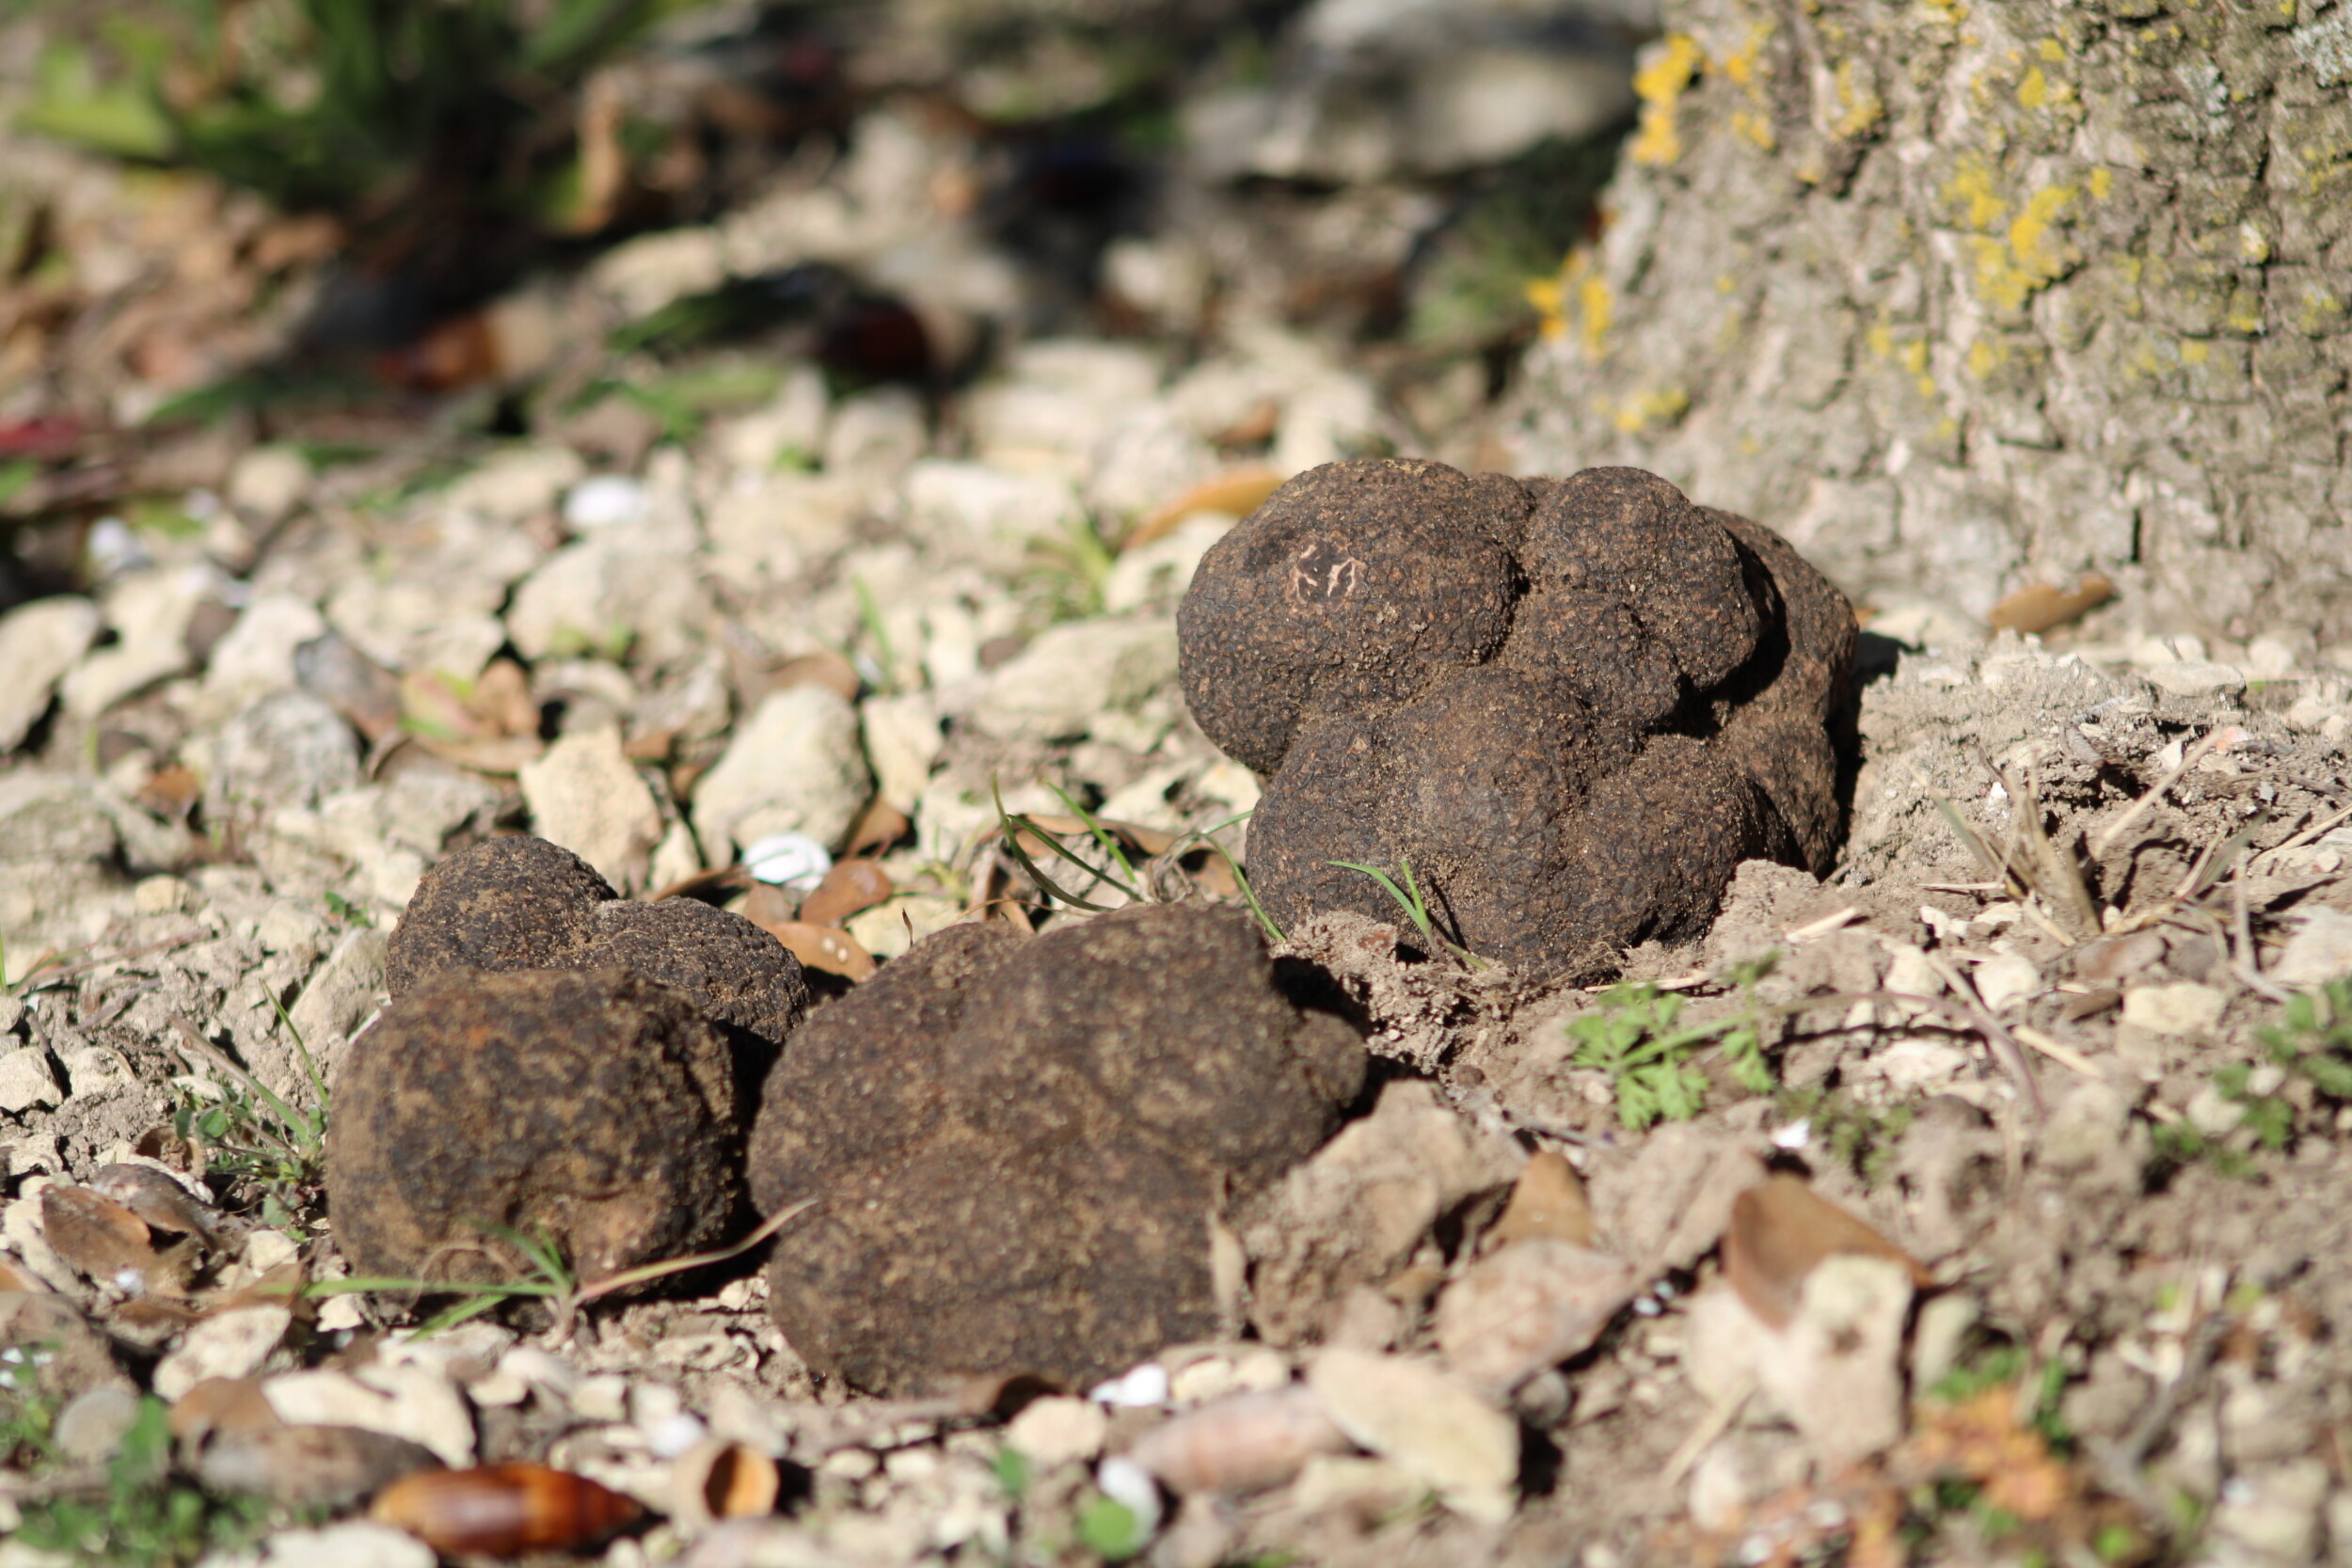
<point>1571,706</point>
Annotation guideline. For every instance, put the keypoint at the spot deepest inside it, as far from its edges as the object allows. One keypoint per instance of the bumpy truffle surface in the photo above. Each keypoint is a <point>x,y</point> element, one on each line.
<point>512,904</point>
<point>597,1106</point>
<point>1017,1144</point>
<point>1573,707</point>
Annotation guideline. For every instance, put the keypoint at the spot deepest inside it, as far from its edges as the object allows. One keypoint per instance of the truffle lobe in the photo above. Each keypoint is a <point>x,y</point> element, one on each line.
<point>501,904</point>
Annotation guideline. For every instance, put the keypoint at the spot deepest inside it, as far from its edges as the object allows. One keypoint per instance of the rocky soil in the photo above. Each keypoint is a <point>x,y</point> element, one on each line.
<point>1980,1199</point>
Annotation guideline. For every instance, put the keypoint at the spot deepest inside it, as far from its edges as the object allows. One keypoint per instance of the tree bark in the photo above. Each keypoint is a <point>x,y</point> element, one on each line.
<point>1963,297</point>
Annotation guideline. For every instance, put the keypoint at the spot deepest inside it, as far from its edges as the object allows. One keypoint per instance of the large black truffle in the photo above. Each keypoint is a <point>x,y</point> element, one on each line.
<point>1017,1145</point>
<point>1573,707</point>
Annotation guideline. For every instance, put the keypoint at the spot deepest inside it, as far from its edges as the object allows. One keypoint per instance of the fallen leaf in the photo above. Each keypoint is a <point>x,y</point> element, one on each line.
<point>824,947</point>
<point>1242,1443</point>
<point>1548,1200</point>
<point>221,1404</point>
<point>827,668</point>
<point>159,1201</point>
<point>1780,1229</point>
<point>171,792</point>
<point>99,1238</point>
<point>851,885</point>
<point>1237,494</point>
<point>503,755</point>
<point>882,826</point>
<point>327,1467</point>
<point>2038,606</point>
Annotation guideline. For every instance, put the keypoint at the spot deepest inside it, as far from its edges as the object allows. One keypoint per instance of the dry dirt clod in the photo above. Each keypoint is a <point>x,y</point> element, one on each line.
<point>1573,707</point>
<point>1018,1145</point>
<point>599,1108</point>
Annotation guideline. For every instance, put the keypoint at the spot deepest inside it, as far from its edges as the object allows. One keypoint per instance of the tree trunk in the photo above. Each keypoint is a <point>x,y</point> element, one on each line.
<point>1964,297</point>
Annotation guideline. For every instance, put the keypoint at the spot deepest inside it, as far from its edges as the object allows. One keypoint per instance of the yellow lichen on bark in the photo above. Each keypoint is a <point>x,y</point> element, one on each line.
<point>1660,84</point>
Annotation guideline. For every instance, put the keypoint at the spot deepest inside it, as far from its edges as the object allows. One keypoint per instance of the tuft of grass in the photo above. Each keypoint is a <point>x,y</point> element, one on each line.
<point>547,1276</point>
<point>1117,870</point>
<point>1635,1035</point>
<point>1415,904</point>
<point>251,1134</point>
<point>139,1513</point>
<point>1066,576</point>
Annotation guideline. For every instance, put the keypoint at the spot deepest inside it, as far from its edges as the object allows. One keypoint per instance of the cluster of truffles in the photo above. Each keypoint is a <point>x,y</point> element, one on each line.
<point>1017,1145</point>
<point>554,1058</point>
<point>1573,707</point>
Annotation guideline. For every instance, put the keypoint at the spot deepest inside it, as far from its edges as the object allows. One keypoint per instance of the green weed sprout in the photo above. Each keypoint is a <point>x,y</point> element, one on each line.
<point>140,1514</point>
<point>549,1277</point>
<point>1415,904</point>
<point>1120,873</point>
<point>1652,1060</point>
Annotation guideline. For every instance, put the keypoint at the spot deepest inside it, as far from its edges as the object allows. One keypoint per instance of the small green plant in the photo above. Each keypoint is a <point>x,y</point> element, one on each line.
<point>2313,1039</point>
<point>1066,576</point>
<point>1110,1530</point>
<point>253,1134</point>
<point>1117,870</point>
<point>141,1514</point>
<point>1635,1035</point>
<point>545,1275</point>
<point>886,657</point>
<point>1861,1138</point>
<point>344,912</point>
<point>1012,1469</point>
<point>1415,904</point>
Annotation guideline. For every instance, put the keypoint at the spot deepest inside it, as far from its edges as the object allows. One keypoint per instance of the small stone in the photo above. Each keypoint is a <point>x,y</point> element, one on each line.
<point>228,1344</point>
<point>516,483</point>
<point>411,1401</point>
<point>256,656</point>
<point>788,860</point>
<point>1526,1307</point>
<point>149,612</point>
<point>38,642</point>
<point>1426,1423</point>
<point>2196,677</point>
<point>290,749</point>
<point>604,502</point>
<point>265,1250</point>
<point>160,895</point>
<point>1841,1380</point>
<point>354,1544</point>
<point>1058,1430</point>
<point>990,516</point>
<point>586,795</point>
<point>2212,1113</point>
<point>90,1427</point>
<point>627,591</point>
<point>26,1080</point>
<point>341,992</point>
<point>902,741</point>
<point>268,482</point>
<point>2185,1010</point>
<point>2320,950</point>
<point>2005,978</point>
<point>1058,684</point>
<point>795,765</point>
<point>2275,1513</point>
<point>792,425</point>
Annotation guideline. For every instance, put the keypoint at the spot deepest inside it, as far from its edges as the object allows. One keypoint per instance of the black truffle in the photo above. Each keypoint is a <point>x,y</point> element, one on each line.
<point>1018,1145</point>
<point>599,1108</point>
<point>521,903</point>
<point>1573,707</point>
